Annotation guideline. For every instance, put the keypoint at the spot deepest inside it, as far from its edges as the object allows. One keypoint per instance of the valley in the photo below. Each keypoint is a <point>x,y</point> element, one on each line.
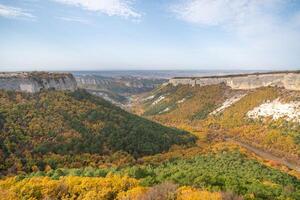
<point>179,141</point>
<point>117,88</point>
<point>267,156</point>
<point>149,100</point>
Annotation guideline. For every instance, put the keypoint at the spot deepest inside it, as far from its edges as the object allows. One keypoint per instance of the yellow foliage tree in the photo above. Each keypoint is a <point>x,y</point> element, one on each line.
<point>189,193</point>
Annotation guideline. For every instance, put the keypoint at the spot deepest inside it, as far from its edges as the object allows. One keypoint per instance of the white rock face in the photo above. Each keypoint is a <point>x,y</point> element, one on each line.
<point>27,87</point>
<point>36,81</point>
<point>165,110</point>
<point>148,98</point>
<point>287,80</point>
<point>276,109</point>
<point>182,100</point>
<point>228,103</point>
<point>158,100</point>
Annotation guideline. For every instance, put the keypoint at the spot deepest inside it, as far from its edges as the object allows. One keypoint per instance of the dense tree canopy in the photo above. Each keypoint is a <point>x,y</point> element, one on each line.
<point>224,170</point>
<point>73,123</point>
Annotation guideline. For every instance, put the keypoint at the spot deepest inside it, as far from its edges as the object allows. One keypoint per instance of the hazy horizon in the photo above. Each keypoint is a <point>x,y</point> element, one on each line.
<point>139,34</point>
<point>146,70</point>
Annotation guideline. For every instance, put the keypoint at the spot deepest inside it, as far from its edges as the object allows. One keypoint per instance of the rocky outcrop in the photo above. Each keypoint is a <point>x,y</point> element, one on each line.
<point>289,80</point>
<point>36,81</point>
<point>276,110</point>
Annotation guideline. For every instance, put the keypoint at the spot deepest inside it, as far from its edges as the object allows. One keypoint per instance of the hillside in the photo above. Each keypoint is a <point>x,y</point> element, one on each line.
<point>60,128</point>
<point>266,118</point>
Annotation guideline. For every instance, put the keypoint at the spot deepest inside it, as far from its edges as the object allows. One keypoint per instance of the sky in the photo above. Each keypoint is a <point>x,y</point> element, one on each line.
<point>149,34</point>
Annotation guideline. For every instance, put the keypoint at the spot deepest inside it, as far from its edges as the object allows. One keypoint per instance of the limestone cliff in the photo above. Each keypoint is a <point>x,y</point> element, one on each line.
<point>120,85</point>
<point>289,80</point>
<point>36,81</point>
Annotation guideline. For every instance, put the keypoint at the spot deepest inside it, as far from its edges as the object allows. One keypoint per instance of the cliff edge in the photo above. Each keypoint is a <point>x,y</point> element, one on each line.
<point>289,80</point>
<point>32,82</point>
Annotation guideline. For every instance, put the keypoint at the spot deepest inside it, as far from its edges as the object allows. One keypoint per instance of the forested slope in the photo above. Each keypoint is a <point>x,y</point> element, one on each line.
<point>217,110</point>
<point>73,145</point>
<point>223,174</point>
<point>56,128</point>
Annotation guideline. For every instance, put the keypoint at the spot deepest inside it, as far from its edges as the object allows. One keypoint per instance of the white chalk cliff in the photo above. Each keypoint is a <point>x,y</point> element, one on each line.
<point>36,81</point>
<point>289,80</point>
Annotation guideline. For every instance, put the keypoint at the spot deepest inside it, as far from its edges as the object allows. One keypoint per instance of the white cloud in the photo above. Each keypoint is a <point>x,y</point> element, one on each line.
<point>14,12</point>
<point>222,12</point>
<point>121,8</point>
<point>261,35</point>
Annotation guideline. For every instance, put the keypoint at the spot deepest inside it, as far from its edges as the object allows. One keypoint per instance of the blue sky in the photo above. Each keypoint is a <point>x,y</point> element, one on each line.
<point>149,34</point>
